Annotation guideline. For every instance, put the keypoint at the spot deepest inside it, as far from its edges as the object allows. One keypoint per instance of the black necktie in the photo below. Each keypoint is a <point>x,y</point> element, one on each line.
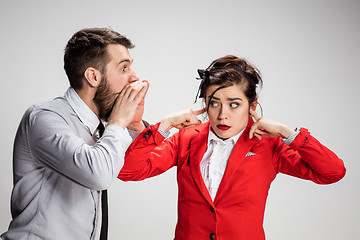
<point>104,200</point>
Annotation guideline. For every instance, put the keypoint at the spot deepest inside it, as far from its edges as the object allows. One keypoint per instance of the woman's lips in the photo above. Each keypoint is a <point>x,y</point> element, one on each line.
<point>223,127</point>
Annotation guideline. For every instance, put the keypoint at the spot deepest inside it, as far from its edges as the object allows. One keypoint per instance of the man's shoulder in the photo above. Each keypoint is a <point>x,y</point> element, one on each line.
<point>58,106</point>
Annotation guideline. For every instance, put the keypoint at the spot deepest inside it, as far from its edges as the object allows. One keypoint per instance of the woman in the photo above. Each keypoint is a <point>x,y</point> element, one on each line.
<point>223,171</point>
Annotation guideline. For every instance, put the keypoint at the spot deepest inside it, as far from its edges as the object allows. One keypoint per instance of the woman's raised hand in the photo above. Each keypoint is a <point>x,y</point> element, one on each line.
<point>183,119</point>
<point>268,127</point>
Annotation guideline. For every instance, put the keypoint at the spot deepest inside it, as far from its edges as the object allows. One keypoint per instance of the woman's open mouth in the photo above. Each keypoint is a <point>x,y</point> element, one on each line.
<point>223,127</point>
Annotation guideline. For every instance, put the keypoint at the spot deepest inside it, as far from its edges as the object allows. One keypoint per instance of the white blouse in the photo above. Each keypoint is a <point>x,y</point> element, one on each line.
<point>215,159</point>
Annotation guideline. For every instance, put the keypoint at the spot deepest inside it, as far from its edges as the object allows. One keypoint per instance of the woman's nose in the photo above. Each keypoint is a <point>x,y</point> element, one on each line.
<point>222,113</point>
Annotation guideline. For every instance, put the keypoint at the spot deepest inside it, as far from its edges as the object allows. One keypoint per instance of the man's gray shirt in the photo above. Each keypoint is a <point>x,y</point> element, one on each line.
<point>60,167</point>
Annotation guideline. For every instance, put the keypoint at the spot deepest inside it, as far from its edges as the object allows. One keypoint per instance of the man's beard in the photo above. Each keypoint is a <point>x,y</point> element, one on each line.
<point>104,99</point>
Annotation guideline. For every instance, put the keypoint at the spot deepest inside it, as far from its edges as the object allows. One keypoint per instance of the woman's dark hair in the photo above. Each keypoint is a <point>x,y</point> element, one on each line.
<point>88,48</point>
<point>228,71</point>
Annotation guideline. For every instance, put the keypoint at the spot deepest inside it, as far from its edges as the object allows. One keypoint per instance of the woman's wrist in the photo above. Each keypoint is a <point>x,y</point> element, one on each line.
<point>285,132</point>
<point>165,125</point>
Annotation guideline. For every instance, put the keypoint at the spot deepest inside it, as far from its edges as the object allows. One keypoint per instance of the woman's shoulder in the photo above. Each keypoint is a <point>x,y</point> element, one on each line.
<point>194,132</point>
<point>202,127</point>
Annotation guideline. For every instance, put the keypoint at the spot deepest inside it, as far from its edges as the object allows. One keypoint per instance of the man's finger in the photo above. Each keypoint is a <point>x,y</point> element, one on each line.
<point>140,95</point>
<point>143,92</point>
<point>146,82</point>
<point>137,90</point>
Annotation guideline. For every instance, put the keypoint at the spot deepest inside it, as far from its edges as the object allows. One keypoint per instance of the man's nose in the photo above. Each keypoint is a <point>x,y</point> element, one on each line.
<point>133,76</point>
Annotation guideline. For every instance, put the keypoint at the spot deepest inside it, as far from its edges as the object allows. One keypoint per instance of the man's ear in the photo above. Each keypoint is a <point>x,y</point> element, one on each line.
<point>92,76</point>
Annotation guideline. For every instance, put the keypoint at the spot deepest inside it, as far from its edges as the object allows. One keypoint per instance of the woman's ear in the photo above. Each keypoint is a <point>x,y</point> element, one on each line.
<point>92,76</point>
<point>254,105</point>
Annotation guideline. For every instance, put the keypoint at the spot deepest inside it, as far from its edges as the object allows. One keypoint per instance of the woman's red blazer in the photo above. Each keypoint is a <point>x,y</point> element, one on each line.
<point>238,209</point>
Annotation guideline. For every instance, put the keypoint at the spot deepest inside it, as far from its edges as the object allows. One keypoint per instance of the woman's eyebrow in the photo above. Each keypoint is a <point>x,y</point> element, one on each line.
<point>229,99</point>
<point>233,99</point>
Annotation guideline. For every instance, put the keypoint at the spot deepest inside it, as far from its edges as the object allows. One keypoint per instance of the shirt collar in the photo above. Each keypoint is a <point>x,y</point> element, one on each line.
<point>232,140</point>
<point>85,114</point>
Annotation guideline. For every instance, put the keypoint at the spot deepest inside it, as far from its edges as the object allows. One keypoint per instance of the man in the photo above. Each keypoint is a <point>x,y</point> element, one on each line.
<point>60,161</point>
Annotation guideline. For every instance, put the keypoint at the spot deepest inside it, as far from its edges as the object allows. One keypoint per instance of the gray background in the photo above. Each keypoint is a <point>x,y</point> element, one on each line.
<point>307,51</point>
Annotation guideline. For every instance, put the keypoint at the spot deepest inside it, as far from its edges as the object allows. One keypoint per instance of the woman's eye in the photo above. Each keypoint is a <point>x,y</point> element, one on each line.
<point>214,104</point>
<point>234,105</point>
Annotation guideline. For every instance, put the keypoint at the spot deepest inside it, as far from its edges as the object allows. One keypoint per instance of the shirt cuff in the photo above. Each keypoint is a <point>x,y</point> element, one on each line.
<point>119,132</point>
<point>133,134</point>
<point>164,134</point>
<point>290,139</point>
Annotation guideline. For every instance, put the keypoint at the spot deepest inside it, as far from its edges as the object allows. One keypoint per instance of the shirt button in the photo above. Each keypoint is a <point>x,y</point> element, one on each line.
<point>305,138</point>
<point>212,209</point>
<point>212,236</point>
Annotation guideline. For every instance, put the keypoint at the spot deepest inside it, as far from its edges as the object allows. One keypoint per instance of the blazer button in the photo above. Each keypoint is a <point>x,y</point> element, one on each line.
<point>147,134</point>
<point>306,138</point>
<point>212,209</point>
<point>212,236</point>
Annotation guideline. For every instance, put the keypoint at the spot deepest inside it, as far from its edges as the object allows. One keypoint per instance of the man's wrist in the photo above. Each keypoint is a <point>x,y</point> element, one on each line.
<point>137,126</point>
<point>118,123</point>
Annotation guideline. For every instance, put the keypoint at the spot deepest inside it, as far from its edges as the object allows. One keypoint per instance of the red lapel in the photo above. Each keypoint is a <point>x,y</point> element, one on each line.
<point>197,150</point>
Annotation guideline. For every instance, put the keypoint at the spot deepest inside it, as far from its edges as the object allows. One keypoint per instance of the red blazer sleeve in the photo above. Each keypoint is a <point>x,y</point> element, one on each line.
<point>149,155</point>
<point>311,160</point>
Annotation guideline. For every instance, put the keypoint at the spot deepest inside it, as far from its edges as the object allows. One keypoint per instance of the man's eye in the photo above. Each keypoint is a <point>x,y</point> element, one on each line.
<point>124,68</point>
<point>234,105</point>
